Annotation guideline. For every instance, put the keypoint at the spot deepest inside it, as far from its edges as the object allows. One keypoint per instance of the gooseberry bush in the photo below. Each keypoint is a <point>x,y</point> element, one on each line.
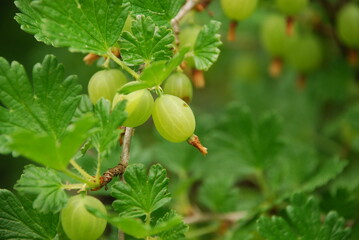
<point>143,151</point>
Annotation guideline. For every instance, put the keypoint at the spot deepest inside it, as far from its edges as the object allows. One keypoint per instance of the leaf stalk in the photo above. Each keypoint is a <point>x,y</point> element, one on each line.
<point>123,65</point>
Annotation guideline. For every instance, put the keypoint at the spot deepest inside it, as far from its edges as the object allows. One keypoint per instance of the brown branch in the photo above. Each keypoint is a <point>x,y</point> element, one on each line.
<point>125,157</point>
<point>120,169</point>
<point>188,6</point>
<point>125,154</point>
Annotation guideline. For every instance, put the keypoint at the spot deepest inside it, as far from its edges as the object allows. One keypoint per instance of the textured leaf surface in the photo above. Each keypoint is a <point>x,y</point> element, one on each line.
<point>177,232</point>
<point>36,116</point>
<point>109,123</point>
<point>218,194</point>
<point>161,11</point>
<point>147,42</point>
<point>46,106</point>
<point>30,20</point>
<point>83,26</point>
<point>157,72</point>
<point>141,194</point>
<point>206,49</point>
<point>139,229</point>
<point>19,221</point>
<point>50,151</point>
<point>304,222</point>
<point>46,185</point>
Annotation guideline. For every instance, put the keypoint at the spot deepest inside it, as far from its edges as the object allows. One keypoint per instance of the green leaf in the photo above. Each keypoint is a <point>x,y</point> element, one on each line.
<point>19,221</point>
<point>30,20</point>
<point>46,149</point>
<point>257,142</point>
<point>206,50</point>
<point>46,185</point>
<point>45,107</point>
<point>4,142</point>
<point>177,232</point>
<point>171,224</point>
<point>161,11</point>
<point>219,194</point>
<point>133,86</point>
<point>302,173</point>
<point>140,194</point>
<point>83,108</point>
<point>83,26</point>
<point>36,117</point>
<point>109,122</point>
<point>157,72</point>
<point>304,222</point>
<point>328,170</point>
<point>146,43</point>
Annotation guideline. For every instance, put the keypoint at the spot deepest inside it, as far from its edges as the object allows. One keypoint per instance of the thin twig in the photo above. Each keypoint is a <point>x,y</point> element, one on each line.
<point>123,65</point>
<point>121,235</point>
<point>200,217</point>
<point>125,157</point>
<point>121,167</point>
<point>125,154</point>
<point>182,12</point>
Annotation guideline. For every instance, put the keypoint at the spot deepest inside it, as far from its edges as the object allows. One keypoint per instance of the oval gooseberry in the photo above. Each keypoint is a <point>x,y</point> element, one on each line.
<point>173,118</point>
<point>139,106</point>
<point>178,84</point>
<point>105,83</point>
<point>78,223</point>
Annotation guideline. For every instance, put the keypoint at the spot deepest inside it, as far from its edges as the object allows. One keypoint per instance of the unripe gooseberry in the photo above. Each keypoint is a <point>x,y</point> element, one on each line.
<point>291,7</point>
<point>306,55</point>
<point>173,118</point>
<point>274,37</point>
<point>78,223</point>
<point>139,106</point>
<point>105,83</point>
<point>178,84</point>
<point>238,9</point>
<point>348,25</point>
